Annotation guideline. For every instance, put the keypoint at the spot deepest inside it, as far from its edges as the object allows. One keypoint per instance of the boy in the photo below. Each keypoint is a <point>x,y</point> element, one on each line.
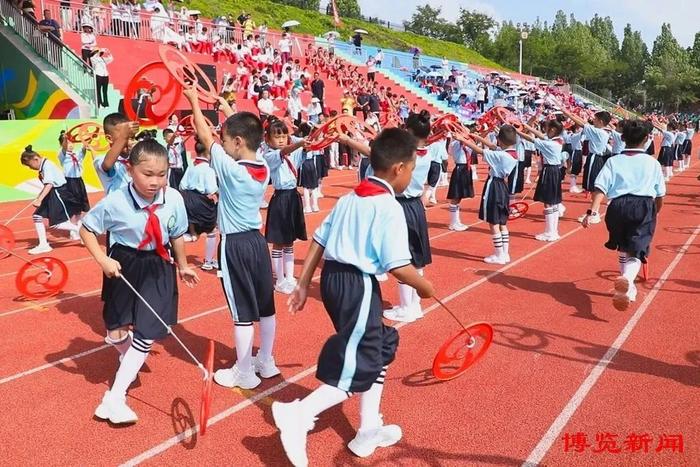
<point>112,167</point>
<point>355,359</point>
<point>634,183</point>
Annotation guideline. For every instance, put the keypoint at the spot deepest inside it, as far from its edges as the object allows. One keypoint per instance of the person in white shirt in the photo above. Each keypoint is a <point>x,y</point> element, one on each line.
<point>379,58</point>
<point>295,107</point>
<point>285,47</point>
<point>266,106</point>
<point>371,68</point>
<point>99,61</point>
<point>192,40</point>
<point>88,42</point>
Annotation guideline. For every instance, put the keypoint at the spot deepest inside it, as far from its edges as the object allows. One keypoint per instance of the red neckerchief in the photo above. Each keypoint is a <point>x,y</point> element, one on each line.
<point>559,140</point>
<point>257,171</point>
<point>288,161</point>
<point>71,154</point>
<point>152,233</point>
<point>200,160</point>
<point>369,187</point>
<point>420,152</point>
<point>125,162</point>
<point>513,153</point>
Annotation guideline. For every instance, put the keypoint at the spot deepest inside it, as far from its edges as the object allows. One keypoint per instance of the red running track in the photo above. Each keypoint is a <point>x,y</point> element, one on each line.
<point>550,308</point>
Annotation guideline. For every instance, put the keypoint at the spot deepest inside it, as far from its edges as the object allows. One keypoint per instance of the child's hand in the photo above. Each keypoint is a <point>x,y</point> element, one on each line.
<point>36,203</point>
<point>127,130</point>
<point>190,94</point>
<point>297,300</point>
<point>426,289</point>
<point>111,267</point>
<point>188,276</point>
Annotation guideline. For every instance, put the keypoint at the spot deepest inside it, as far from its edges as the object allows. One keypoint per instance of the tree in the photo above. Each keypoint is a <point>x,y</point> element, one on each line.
<point>348,8</point>
<point>426,21</point>
<point>695,51</point>
<point>603,30</point>
<point>474,28</point>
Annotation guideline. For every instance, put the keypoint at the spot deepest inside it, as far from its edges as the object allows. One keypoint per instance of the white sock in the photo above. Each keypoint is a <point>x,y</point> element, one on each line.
<point>475,174</point>
<point>454,214</point>
<point>268,325</point>
<point>370,400</point>
<point>554,220</point>
<point>307,199</point>
<point>67,225</point>
<point>622,258</point>
<point>243,336</point>
<point>431,192</point>
<point>314,198</point>
<point>548,214</point>
<point>632,268</point>
<point>288,262</point>
<point>40,230</point>
<point>121,345</point>
<point>405,294</point>
<point>133,360</point>
<point>414,293</point>
<point>527,171</point>
<point>210,247</point>
<point>323,398</point>
<point>505,240</point>
<point>320,186</point>
<point>278,265</point>
<point>497,240</point>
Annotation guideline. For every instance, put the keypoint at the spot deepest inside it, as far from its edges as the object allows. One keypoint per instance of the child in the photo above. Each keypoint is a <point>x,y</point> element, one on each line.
<point>680,146</point>
<point>55,202</point>
<point>175,157</point>
<point>548,189</point>
<point>495,199</point>
<point>461,182</point>
<point>575,138</point>
<point>409,309</point>
<point>635,186</point>
<point>688,148</point>
<point>72,163</point>
<point>365,235</point>
<point>112,167</point>
<point>285,217</point>
<point>438,153</point>
<point>529,149</point>
<point>666,155</point>
<point>308,174</point>
<point>244,261</point>
<point>145,218</point>
<point>597,139</point>
<point>199,191</point>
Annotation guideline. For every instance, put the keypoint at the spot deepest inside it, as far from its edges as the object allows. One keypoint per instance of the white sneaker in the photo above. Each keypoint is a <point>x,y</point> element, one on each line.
<point>433,201</point>
<point>115,410</point>
<point>188,238</point>
<point>506,258</point>
<point>382,277</point>
<point>621,297</point>
<point>40,248</point>
<point>495,259</point>
<point>528,182</point>
<point>210,265</point>
<point>562,210</point>
<point>367,441</point>
<point>307,209</point>
<point>74,235</point>
<point>458,227</point>
<point>575,189</point>
<point>234,377</point>
<point>294,426</point>
<point>320,195</point>
<point>265,368</point>
<point>402,314</point>
<point>547,237</point>
<point>315,208</point>
<point>594,219</point>
<point>284,287</point>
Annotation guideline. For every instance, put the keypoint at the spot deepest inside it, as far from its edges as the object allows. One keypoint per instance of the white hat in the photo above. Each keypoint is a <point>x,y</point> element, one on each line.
<point>315,99</point>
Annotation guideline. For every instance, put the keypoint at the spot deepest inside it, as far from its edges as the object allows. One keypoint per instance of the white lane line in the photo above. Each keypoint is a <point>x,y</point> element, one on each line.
<point>170,442</point>
<point>579,396</point>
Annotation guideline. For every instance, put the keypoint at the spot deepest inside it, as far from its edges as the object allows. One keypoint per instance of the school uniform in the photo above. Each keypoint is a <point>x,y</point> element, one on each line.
<point>597,154</point>
<point>529,149</point>
<point>631,181</point>
<point>198,182</point>
<point>321,164</point>
<point>461,183</point>
<point>680,144</point>
<point>617,145</point>
<point>72,163</point>
<point>666,154</point>
<point>285,214</point>
<point>365,235</point>
<point>548,190</point>
<point>60,204</point>
<point>244,260</point>
<point>140,233</point>
<point>437,153</point>
<point>577,152</point>
<point>117,177</point>
<point>649,146</point>
<point>495,199</point>
<point>516,179</point>
<point>175,163</point>
<point>567,147</point>
<point>308,173</point>
<point>688,148</point>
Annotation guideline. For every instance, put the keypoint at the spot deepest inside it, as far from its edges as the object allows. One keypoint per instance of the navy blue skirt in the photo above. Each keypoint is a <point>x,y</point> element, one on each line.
<point>666,156</point>
<point>461,183</point>
<point>76,186</point>
<point>418,240</point>
<point>308,176</point>
<point>285,218</point>
<point>434,173</point>
<point>548,190</point>
<point>495,202</point>
<point>631,222</point>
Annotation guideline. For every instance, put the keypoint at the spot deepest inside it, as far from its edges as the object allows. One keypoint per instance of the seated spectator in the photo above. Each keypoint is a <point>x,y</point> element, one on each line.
<point>266,106</point>
<point>204,40</point>
<point>314,111</point>
<point>192,40</point>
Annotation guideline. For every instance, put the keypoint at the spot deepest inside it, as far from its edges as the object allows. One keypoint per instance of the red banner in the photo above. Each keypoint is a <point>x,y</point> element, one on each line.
<point>336,17</point>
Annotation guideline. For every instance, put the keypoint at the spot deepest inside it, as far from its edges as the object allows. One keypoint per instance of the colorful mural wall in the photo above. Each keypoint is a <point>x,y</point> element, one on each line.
<point>24,88</point>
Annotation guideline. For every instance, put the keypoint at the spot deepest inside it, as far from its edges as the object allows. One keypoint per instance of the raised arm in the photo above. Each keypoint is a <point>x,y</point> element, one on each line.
<point>362,148</point>
<point>225,107</point>
<point>123,132</point>
<point>200,123</point>
<point>537,133</point>
<point>576,119</point>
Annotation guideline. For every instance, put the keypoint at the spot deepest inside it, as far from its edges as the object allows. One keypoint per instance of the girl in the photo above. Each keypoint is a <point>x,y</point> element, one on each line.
<point>72,163</point>
<point>55,202</point>
<point>666,152</point>
<point>494,201</point>
<point>285,217</point>
<point>200,192</point>
<point>145,218</point>
<point>309,174</point>
<point>461,183</point>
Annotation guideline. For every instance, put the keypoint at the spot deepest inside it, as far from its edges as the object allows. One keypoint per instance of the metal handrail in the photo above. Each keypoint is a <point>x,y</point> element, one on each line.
<point>61,58</point>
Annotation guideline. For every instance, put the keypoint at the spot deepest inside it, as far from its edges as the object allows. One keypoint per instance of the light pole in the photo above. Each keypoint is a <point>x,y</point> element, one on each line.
<point>523,36</point>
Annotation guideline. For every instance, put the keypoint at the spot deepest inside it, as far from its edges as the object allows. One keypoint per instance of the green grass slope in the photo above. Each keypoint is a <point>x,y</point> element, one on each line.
<point>316,24</point>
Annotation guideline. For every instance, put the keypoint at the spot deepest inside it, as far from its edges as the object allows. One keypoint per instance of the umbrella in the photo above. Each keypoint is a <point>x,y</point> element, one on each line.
<point>361,31</point>
<point>291,23</point>
<point>413,50</point>
<point>331,33</point>
<point>435,67</point>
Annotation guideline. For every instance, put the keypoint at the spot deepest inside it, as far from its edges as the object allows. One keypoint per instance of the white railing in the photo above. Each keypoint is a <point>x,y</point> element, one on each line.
<point>64,62</point>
